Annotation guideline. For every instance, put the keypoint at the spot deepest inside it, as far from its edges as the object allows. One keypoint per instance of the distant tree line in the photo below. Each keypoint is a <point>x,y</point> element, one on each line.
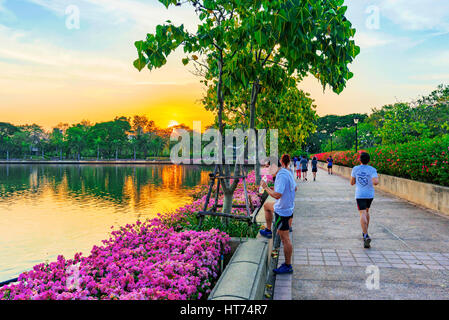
<point>122,138</point>
<point>402,122</point>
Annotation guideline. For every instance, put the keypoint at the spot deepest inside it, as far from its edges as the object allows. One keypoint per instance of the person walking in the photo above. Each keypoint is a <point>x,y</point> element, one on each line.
<point>314,167</point>
<point>298,170</point>
<point>330,163</point>
<point>304,167</point>
<point>284,193</point>
<point>365,178</point>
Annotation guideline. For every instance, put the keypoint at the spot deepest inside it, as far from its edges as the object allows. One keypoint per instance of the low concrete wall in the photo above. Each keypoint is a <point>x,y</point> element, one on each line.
<point>428,195</point>
<point>245,275</point>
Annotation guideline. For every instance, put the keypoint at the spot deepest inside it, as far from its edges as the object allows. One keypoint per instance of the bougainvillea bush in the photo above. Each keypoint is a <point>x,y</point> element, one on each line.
<point>139,261</point>
<point>162,258</point>
<point>235,228</point>
<point>426,160</point>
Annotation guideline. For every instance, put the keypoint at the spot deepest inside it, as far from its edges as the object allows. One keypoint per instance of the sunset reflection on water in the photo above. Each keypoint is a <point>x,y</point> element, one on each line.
<point>48,210</point>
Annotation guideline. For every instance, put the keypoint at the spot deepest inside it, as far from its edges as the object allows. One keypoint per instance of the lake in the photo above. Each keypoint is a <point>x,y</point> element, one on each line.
<point>47,210</point>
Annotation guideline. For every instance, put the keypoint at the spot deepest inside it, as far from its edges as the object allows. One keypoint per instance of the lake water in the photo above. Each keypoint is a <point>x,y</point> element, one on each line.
<point>47,210</point>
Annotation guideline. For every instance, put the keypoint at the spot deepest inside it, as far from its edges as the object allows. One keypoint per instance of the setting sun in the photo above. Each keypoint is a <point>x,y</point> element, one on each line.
<point>172,123</point>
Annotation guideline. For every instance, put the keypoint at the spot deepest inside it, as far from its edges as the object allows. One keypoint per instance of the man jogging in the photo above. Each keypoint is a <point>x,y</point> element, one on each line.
<point>365,178</point>
<point>284,193</point>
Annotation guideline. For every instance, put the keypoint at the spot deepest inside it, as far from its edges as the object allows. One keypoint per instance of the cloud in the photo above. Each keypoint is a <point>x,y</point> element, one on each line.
<point>5,13</point>
<point>417,15</point>
<point>143,15</point>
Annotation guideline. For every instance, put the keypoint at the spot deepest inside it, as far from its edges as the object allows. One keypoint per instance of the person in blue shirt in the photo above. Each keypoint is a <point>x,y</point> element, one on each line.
<point>314,167</point>
<point>330,162</point>
<point>304,167</point>
<point>284,193</point>
<point>365,178</point>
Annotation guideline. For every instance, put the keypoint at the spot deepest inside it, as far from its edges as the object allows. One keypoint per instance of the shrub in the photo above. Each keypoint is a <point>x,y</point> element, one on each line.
<point>162,258</point>
<point>426,160</point>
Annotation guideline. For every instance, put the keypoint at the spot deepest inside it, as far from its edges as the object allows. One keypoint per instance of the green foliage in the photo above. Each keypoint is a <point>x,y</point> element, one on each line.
<point>345,138</point>
<point>292,112</point>
<point>331,124</point>
<point>233,227</point>
<point>426,160</point>
<point>108,140</point>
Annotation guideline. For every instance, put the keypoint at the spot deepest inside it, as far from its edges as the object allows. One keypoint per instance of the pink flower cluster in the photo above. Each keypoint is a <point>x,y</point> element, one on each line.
<point>151,260</point>
<point>140,261</point>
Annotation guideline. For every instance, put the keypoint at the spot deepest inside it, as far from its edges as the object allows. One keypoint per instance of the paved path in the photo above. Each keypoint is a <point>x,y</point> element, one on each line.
<point>410,247</point>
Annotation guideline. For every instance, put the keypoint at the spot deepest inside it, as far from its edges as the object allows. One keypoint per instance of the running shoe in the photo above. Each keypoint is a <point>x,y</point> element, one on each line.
<point>266,233</point>
<point>367,242</point>
<point>283,269</point>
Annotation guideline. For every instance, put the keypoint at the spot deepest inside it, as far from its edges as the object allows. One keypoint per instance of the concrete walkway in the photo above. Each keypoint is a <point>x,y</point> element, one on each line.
<point>410,247</point>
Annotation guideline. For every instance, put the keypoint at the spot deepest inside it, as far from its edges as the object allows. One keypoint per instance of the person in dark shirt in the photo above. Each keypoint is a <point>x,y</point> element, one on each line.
<point>330,162</point>
<point>304,167</point>
<point>314,167</point>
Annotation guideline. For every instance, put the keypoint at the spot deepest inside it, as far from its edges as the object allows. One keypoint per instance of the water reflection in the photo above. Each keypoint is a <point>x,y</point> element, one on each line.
<point>48,210</point>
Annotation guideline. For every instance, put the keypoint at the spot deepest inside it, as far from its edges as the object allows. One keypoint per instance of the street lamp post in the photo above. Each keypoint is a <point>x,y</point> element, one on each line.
<point>356,121</point>
<point>331,142</point>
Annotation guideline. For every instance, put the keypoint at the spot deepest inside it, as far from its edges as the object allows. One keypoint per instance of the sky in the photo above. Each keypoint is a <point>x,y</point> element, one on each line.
<point>68,61</point>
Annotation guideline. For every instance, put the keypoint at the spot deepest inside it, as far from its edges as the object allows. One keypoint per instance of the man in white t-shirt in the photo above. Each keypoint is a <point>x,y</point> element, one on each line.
<point>284,193</point>
<point>365,178</point>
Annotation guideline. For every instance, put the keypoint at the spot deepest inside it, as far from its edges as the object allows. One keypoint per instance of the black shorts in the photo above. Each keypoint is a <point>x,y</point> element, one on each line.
<point>282,223</point>
<point>364,204</point>
<point>314,169</point>
<point>304,170</point>
<point>329,166</point>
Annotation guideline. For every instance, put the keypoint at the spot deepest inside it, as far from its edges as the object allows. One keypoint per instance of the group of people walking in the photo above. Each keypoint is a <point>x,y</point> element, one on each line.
<point>301,166</point>
<point>279,214</point>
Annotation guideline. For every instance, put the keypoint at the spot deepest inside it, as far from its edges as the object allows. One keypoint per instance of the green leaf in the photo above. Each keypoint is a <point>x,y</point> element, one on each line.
<point>185,61</point>
<point>140,63</point>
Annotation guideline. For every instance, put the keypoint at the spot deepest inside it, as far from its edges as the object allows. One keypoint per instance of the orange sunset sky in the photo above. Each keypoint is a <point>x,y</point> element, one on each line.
<point>51,73</point>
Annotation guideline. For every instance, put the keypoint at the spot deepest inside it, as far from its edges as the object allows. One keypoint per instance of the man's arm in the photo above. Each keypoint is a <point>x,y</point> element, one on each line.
<point>375,181</point>
<point>352,181</point>
<point>270,191</point>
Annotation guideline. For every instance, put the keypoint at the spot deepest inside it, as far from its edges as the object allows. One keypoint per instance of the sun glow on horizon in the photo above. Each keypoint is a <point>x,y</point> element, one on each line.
<point>172,123</point>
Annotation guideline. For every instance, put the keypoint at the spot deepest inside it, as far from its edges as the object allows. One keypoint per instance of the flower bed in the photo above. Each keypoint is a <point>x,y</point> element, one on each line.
<point>426,160</point>
<point>158,259</point>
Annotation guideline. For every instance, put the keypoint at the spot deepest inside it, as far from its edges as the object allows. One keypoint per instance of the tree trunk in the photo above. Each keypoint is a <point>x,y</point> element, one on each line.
<point>98,153</point>
<point>116,154</point>
<point>227,202</point>
<point>7,154</point>
<point>252,125</point>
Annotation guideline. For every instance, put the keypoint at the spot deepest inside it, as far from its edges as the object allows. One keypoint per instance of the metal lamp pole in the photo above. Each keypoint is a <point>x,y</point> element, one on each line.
<point>356,121</point>
<point>332,149</point>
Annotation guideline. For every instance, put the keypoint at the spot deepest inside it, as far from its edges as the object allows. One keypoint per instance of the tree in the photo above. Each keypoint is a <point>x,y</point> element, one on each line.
<point>77,139</point>
<point>216,39</point>
<point>302,37</point>
<point>7,130</point>
<point>57,141</point>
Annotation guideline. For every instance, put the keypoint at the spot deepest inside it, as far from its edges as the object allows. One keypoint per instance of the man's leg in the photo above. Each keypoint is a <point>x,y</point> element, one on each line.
<point>288,248</point>
<point>269,211</point>
<point>364,221</point>
<point>367,219</point>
